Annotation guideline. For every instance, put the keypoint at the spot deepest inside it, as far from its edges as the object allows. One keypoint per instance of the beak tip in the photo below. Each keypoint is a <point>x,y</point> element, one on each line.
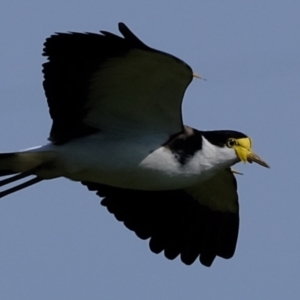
<point>255,158</point>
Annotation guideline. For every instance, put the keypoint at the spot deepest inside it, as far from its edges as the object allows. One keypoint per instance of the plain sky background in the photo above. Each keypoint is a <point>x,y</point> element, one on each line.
<point>57,242</point>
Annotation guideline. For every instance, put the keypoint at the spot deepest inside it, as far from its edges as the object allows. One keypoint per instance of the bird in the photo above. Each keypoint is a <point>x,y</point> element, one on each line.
<point>117,128</point>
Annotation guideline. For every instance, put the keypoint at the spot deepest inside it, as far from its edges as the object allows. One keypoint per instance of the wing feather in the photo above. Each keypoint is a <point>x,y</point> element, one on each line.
<point>106,82</point>
<point>178,223</point>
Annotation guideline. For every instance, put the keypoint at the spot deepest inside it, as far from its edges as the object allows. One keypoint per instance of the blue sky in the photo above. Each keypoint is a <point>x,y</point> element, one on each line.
<point>57,242</point>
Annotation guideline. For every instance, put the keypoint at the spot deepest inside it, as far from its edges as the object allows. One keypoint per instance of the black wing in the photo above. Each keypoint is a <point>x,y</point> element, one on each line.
<point>102,81</point>
<point>178,223</point>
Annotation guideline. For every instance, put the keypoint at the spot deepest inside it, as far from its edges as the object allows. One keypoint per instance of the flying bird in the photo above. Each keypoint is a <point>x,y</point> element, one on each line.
<point>117,128</point>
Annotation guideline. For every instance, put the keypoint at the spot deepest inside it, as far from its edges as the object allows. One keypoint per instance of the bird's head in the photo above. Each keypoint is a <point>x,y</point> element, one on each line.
<point>236,144</point>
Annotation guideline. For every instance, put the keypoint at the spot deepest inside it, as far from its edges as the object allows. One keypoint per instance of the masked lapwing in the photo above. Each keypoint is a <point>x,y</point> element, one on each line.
<point>117,128</point>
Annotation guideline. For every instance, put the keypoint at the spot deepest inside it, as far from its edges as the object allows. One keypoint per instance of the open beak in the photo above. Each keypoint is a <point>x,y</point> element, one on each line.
<point>246,154</point>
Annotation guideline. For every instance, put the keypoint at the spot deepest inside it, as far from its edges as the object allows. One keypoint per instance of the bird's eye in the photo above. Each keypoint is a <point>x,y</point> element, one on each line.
<point>230,143</point>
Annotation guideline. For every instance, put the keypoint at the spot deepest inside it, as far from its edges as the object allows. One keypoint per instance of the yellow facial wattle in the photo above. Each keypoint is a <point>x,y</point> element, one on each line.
<point>243,148</point>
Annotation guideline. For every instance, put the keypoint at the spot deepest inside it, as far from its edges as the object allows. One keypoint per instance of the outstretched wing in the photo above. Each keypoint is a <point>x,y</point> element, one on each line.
<point>106,82</point>
<point>201,221</point>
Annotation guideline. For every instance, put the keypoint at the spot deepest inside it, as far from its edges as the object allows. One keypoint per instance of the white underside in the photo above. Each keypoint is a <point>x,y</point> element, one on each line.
<point>135,162</point>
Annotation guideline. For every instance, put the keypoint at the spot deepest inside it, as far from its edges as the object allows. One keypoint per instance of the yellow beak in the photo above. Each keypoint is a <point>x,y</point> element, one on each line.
<point>246,154</point>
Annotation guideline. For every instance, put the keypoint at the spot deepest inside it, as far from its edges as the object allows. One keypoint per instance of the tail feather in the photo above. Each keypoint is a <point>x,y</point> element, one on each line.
<point>17,162</point>
<point>20,186</point>
<point>21,165</point>
<point>16,177</point>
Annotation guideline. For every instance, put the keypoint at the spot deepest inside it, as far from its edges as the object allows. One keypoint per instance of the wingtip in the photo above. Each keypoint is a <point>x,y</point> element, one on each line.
<point>122,25</point>
<point>125,30</point>
<point>130,36</point>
